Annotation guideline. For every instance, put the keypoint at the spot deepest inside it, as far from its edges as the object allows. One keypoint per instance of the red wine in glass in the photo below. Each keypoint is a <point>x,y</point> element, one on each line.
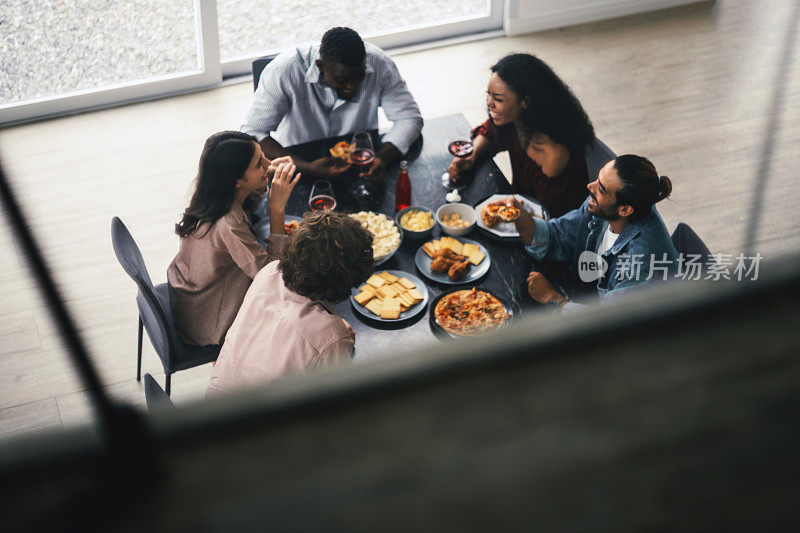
<point>322,202</point>
<point>362,156</point>
<point>461,148</point>
<point>321,197</point>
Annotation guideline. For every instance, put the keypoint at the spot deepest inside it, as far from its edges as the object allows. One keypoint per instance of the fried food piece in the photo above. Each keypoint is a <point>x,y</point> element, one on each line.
<point>449,254</point>
<point>458,270</point>
<point>441,265</point>
<point>289,227</point>
<point>342,151</point>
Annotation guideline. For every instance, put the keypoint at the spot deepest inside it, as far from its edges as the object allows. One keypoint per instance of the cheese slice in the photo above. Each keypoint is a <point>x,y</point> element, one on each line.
<point>375,306</point>
<point>364,297</point>
<point>391,278</point>
<point>469,249</point>
<point>407,283</point>
<point>390,313</point>
<point>476,257</point>
<point>416,295</point>
<point>376,281</point>
<point>386,291</point>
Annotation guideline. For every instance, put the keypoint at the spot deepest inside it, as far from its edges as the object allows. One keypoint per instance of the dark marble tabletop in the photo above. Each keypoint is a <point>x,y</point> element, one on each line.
<point>428,159</point>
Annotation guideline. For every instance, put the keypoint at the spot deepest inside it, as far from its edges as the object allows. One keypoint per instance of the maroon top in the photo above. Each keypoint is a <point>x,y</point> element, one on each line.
<point>559,194</point>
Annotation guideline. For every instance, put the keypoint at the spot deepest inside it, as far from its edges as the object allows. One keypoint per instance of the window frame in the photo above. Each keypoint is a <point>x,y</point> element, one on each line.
<point>213,71</point>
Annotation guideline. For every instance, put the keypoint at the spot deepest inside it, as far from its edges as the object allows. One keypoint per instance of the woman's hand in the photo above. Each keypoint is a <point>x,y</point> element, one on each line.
<point>280,190</point>
<point>459,167</point>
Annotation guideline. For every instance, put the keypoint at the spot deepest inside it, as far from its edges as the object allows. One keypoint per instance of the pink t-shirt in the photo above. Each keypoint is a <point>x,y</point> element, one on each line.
<point>277,332</point>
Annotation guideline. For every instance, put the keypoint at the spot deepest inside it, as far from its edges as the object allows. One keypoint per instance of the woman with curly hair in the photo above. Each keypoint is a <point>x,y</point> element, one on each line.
<point>287,322</point>
<point>219,254</point>
<point>549,138</point>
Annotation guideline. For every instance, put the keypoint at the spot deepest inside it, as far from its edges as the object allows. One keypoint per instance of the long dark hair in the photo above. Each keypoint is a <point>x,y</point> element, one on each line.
<point>642,187</point>
<point>550,106</point>
<point>225,158</point>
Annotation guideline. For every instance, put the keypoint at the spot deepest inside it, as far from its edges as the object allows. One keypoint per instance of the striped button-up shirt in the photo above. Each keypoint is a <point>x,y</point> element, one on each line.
<point>294,106</point>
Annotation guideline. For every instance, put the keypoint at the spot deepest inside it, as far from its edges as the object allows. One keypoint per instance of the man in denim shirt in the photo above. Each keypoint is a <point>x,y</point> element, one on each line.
<point>616,237</point>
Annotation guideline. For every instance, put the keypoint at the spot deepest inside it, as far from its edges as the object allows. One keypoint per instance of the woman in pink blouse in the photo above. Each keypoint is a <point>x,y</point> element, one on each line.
<point>219,255</point>
<point>550,141</point>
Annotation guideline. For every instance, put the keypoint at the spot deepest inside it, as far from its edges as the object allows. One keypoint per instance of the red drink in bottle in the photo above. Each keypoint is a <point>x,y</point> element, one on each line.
<point>402,194</point>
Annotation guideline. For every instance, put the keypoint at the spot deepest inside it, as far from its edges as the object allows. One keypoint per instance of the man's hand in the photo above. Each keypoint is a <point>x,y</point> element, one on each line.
<point>460,167</point>
<point>376,173</point>
<point>541,290</point>
<point>277,162</point>
<point>327,167</point>
<point>524,222</point>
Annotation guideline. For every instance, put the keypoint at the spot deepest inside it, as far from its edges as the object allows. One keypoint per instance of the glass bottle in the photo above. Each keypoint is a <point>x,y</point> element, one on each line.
<point>402,194</point>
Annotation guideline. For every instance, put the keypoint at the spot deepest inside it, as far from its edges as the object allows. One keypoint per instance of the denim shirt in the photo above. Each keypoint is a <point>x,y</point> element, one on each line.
<point>642,253</point>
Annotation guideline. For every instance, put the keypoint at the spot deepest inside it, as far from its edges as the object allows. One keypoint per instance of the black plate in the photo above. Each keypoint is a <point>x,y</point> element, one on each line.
<point>442,333</point>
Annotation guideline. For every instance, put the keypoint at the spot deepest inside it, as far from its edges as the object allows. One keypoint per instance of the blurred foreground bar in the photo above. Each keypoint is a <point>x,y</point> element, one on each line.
<point>674,410</point>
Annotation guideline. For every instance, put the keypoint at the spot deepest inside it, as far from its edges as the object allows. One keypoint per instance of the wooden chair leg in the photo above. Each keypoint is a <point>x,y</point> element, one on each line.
<point>139,353</point>
<point>169,382</point>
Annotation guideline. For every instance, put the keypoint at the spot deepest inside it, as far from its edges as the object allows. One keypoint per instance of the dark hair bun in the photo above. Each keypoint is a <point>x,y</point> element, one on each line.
<point>664,188</point>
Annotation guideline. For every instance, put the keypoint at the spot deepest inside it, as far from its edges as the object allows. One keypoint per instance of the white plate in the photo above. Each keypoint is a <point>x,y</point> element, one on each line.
<point>507,230</point>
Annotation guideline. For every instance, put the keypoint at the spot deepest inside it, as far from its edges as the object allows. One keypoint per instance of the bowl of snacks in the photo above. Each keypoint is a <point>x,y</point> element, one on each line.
<point>416,222</point>
<point>456,219</point>
<point>386,236</point>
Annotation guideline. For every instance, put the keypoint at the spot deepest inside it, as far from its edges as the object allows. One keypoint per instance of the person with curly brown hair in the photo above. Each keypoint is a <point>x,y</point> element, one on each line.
<point>287,322</point>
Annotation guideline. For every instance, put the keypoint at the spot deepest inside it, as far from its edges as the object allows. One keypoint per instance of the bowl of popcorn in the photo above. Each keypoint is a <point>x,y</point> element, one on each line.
<point>386,237</point>
<point>456,219</point>
<point>416,222</point>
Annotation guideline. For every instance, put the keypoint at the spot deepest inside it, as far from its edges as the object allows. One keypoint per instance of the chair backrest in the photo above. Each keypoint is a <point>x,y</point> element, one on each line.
<point>258,67</point>
<point>157,318</point>
<point>687,242</point>
<point>128,253</point>
<point>154,395</point>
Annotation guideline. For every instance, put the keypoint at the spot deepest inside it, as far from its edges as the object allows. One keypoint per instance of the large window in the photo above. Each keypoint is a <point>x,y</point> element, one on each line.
<point>61,56</point>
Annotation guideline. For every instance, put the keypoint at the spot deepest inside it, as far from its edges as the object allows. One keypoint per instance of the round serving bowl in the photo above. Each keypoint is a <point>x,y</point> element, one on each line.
<point>410,233</point>
<point>467,213</point>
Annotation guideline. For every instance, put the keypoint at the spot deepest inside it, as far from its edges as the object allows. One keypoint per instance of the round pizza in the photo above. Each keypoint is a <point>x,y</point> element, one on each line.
<point>470,312</point>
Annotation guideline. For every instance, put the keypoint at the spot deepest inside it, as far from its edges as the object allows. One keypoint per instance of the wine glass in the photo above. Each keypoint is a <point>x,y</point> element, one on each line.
<point>361,151</point>
<point>362,155</point>
<point>459,149</point>
<point>321,197</point>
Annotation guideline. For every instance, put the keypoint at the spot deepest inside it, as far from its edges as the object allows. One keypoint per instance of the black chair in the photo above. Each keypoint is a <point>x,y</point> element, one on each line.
<point>154,395</point>
<point>688,243</point>
<point>155,314</point>
<point>258,67</point>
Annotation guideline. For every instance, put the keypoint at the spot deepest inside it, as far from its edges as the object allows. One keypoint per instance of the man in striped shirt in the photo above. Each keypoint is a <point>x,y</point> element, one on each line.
<point>331,90</point>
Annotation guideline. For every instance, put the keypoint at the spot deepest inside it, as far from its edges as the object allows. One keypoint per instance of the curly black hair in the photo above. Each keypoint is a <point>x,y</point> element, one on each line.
<point>342,45</point>
<point>326,256</point>
<point>550,106</point>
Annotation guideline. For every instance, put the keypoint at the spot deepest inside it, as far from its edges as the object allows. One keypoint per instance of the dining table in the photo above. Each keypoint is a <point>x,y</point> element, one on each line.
<point>427,160</point>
